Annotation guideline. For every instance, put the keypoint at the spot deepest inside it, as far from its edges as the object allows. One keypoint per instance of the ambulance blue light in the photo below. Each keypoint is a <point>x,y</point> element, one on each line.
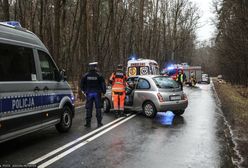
<point>133,57</point>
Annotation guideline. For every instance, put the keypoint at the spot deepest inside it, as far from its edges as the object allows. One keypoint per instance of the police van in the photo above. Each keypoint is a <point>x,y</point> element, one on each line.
<point>33,92</point>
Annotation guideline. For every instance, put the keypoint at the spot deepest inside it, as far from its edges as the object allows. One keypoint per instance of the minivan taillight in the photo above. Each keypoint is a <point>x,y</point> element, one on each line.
<point>160,97</point>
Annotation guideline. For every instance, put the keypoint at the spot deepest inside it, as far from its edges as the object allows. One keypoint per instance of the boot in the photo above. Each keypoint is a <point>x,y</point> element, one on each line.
<point>87,125</point>
<point>116,114</point>
<point>99,124</point>
<point>122,114</point>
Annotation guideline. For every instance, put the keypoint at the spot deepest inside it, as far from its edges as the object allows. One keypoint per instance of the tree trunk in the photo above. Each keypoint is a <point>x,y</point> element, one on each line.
<point>6,10</point>
<point>57,12</point>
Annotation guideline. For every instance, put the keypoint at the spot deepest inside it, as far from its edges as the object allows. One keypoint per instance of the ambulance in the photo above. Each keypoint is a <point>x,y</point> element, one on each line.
<point>141,67</point>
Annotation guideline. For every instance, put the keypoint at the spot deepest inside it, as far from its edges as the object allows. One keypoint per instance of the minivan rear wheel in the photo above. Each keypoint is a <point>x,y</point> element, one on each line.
<point>149,110</point>
<point>106,105</point>
<point>178,112</point>
<point>65,120</point>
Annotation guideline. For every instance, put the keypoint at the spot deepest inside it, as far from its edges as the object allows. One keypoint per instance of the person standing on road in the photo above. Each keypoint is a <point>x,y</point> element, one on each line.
<point>118,82</point>
<point>180,78</point>
<point>93,86</point>
<point>192,79</point>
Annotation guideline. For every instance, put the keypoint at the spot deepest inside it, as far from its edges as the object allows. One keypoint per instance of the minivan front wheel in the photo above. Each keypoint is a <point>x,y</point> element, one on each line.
<point>65,120</point>
<point>149,110</point>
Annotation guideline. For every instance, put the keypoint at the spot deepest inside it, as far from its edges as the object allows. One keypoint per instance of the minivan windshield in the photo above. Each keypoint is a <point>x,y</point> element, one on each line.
<point>165,82</point>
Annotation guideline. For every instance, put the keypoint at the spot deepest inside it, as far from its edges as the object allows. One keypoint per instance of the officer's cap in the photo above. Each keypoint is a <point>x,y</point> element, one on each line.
<point>93,64</point>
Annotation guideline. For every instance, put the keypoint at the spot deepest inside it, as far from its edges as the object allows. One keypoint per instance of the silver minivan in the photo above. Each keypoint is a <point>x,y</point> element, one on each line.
<point>33,92</point>
<point>152,94</point>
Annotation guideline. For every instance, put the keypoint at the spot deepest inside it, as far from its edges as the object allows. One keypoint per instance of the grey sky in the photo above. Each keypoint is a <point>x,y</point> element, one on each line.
<point>206,29</point>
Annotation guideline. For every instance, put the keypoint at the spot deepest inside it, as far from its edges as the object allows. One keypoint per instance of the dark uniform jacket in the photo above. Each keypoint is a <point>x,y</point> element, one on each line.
<point>93,82</point>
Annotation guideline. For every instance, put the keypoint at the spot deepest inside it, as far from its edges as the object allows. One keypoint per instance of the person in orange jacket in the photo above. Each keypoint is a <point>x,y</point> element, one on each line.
<point>118,82</point>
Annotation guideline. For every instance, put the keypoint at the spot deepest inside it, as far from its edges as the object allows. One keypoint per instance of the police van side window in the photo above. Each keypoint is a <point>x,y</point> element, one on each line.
<point>17,63</point>
<point>48,69</point>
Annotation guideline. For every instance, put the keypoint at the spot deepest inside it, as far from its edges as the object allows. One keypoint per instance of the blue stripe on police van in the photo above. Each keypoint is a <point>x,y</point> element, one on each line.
<point>29,102</point>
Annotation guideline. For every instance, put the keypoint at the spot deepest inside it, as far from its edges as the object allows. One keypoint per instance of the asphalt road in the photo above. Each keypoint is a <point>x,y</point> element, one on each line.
<point>195,139</point>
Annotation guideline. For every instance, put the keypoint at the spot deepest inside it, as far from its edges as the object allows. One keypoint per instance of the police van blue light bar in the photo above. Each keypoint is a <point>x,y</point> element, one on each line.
<point>12,23</point>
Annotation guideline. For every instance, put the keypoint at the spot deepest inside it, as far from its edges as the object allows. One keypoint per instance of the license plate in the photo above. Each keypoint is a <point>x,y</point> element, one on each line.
<point>173,98</point>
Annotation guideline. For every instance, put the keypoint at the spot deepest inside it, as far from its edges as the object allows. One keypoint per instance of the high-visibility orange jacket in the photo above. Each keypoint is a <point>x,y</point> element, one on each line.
<point>118,81</point>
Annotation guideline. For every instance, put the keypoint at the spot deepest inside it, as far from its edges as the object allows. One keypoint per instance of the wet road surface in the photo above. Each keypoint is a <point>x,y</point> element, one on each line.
<point>195,139</point>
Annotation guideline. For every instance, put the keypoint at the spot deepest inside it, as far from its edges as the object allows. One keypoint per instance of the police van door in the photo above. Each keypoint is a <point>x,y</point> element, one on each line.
<point>53,89</point>
<point>19,91</point>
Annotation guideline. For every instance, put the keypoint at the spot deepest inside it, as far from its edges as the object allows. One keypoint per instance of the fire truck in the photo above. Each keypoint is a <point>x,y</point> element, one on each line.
<point>189,71</point>
<point>141,67</point>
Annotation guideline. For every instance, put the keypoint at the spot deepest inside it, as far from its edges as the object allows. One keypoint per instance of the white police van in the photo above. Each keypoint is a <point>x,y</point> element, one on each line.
<point>33,92</point>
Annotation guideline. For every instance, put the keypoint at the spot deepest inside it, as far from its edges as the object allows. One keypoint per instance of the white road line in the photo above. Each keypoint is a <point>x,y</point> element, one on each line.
<point>56,158</point>
<point>72,143</point>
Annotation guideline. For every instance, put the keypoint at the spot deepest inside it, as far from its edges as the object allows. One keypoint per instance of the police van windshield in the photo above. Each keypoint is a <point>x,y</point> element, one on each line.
<point>165,82</point>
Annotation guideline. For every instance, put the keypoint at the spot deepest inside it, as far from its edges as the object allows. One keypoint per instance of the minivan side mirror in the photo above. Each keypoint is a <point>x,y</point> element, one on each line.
<point>62,75</point>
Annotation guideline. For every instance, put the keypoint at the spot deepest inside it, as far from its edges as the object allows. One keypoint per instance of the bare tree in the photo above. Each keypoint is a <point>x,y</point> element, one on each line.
<point>109,31</point>
<point>5,8</point>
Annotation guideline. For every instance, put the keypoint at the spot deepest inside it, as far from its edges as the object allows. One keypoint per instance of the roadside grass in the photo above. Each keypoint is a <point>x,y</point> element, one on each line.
<point>79,97</point>
<point>234,102</point>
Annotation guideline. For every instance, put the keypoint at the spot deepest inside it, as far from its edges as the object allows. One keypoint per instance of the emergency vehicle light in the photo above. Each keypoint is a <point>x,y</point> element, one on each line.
<point>12,23</point>
<point>170,67</point>
<point>133,58</point>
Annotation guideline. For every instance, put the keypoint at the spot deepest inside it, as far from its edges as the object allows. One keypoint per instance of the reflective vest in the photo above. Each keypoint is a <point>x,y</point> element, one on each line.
<point>118,81</point>
<point>179,78</point>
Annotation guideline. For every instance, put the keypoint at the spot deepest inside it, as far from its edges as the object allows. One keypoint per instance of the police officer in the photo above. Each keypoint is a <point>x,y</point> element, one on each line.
<point>118,82</point>
<point>93,86</point>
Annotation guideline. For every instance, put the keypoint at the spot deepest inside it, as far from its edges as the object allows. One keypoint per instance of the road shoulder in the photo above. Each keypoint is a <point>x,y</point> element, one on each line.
<point>234,106</point>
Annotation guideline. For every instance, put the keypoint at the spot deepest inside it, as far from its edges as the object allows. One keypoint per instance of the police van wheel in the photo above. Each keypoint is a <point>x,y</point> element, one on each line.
<point>106,105</point>
<point>149,110</point>
<point>65,120</point>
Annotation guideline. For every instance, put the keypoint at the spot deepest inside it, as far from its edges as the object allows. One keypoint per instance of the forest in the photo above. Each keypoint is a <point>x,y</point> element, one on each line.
<point>231,41</point>
<point>77,32</point>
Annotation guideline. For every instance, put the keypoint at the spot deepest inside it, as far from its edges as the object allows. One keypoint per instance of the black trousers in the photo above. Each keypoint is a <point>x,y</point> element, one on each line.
<point>181,85</point>
<point>93,98</point>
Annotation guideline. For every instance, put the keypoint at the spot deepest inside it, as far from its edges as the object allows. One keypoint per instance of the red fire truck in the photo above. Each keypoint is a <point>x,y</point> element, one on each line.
<point>189,71</point>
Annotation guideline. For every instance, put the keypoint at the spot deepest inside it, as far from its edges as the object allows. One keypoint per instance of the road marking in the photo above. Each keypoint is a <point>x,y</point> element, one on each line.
<point>72,143</point>
<point>56,158</point>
